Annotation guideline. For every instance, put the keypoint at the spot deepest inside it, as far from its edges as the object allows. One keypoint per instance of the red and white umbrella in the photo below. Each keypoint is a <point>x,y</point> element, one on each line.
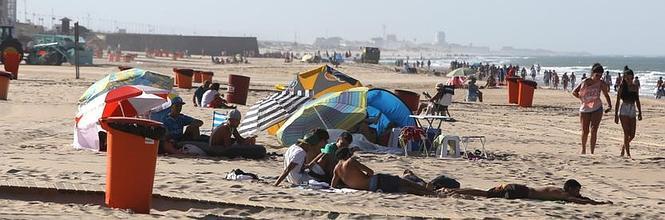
<point>128,101</point>
<point>131,101</point>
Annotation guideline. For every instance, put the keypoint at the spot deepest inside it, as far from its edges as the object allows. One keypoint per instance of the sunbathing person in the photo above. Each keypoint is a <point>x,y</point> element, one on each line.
<point>569,193</point>
<point>295,159</point>
<point>327,160</point>
<point>226,141</point>
<point>355,175</point>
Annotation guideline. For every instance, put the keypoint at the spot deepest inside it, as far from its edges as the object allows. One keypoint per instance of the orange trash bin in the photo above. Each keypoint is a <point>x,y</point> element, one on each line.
<point>132,145</point>
<point>237,89</point>
<point>5,77</point>
<point>197,76</point>
<point>183,77</point>
<point>525,97</point>
<point>513,89</point>
<point>11,60</point>
<point>206,75</point>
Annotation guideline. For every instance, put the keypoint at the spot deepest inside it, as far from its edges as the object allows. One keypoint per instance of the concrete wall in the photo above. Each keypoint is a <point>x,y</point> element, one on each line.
<point>211,45</point>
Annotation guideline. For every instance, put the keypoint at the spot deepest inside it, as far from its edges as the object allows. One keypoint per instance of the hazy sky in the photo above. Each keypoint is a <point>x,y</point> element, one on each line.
<point>614,27</point>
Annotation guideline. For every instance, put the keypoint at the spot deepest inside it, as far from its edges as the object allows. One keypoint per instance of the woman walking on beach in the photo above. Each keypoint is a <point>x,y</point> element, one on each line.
<point>628,95</point>
<point>591,110</point>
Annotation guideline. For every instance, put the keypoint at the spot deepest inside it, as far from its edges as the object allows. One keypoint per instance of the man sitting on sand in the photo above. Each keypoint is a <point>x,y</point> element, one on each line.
<point>296,157</point>
<point>327,159</point>
<point>175,123</point>
<point>355,175</point>
<point>226,141</point>
<point>569,193</point>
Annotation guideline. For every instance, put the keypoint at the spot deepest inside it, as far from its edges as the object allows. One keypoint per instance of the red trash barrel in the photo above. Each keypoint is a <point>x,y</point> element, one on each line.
<point>131,159</point>
<point>513,89</point>
<point>237,89</point>
<point>197,76</point>
<point>411,99</point>
<point>5,77</point>
<point>526,88</point>
<point>207,75</point>
<point>183,77</point>
<point>11,59</point>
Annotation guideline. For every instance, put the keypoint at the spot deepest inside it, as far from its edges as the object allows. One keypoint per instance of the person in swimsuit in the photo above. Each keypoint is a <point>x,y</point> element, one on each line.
<point>569,193</point>
<point>356,175</point>
<point>591,110</point>
<point>225,140</point>
<point>628,98</point>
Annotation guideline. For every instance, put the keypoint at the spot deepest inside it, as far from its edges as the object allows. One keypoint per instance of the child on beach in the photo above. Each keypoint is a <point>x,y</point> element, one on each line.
<point>629,97</point>
<point>591,110</point>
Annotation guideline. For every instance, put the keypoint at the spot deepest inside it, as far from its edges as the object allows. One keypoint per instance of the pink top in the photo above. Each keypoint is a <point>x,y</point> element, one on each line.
<point>590,96</point>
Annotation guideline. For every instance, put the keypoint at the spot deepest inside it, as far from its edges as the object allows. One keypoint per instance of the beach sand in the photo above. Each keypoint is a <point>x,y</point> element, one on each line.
<point>538,146</point>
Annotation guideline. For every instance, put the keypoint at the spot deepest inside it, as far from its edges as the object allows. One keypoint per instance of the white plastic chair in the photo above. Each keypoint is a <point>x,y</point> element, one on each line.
<point>452,141</point>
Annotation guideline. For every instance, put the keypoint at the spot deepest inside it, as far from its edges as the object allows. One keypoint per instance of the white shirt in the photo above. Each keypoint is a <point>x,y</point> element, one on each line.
<point>295,154</point>
<point>208,96</point>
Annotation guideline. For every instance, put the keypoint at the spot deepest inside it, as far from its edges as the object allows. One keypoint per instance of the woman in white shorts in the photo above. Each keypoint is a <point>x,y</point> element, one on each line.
<point>627,109</point>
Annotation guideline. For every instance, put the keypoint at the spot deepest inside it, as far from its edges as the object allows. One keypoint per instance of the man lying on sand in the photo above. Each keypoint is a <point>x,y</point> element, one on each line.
<point>355,175</point>
<point>569,193</point>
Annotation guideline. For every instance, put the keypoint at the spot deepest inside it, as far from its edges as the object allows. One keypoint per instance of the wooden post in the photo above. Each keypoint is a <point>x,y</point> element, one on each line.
<point>76,48</point>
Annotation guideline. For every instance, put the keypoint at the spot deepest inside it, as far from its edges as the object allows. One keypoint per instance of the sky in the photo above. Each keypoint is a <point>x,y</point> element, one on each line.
<point>610,27</point>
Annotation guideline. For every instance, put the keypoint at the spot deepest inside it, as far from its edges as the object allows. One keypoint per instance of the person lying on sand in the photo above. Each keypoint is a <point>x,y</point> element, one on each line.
<point>295,159</point>
<point>355,175</point>
<point>226,141</point>
<point>569,193</point>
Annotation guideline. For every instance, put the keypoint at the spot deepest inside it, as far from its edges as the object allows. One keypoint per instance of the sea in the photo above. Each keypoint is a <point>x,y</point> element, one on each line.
<point>648,69</point>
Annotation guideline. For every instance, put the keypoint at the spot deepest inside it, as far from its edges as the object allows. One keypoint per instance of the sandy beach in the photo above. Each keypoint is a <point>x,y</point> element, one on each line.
<point>537,146</point>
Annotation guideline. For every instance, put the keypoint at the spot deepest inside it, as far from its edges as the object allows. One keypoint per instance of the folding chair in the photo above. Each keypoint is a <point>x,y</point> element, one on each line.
<point>218,119</point>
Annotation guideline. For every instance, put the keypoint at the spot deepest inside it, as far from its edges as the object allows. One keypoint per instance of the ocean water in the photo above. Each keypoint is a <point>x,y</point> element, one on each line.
<point>648,69</point>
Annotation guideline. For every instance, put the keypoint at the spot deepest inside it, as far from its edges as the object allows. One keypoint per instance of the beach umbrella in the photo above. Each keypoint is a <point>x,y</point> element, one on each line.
<point>340,110</point>
<point>130,101</point>
<point>461,72</point>
<point>269,113</point>
<point>272,110</point>
<point>133,76</point>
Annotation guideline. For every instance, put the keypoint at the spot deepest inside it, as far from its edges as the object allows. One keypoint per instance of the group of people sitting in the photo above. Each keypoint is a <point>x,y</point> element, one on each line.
<point>313,158</point>
<point>207,96</point>
<point>223,141</point>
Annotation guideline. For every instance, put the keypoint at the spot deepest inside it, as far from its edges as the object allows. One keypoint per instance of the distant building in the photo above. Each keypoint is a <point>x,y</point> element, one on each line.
<point>440,39</point>
<point>329,43</point>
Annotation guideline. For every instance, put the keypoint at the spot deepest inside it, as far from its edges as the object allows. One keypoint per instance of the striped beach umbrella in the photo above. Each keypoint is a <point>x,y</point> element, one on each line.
<point>339,110</point>
<point>272,110</point>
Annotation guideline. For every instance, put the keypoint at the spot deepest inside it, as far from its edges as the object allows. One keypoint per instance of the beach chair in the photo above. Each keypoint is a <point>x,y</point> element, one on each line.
<point>218,119</point>
<point>443,142</point>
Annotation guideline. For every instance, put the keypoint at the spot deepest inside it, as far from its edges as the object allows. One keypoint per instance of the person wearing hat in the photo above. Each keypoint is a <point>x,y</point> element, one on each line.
<point>225,140</point>
<point>474,90</point>
<point>175,123</point>
<point>295,159</point>
<point>438,104</point>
